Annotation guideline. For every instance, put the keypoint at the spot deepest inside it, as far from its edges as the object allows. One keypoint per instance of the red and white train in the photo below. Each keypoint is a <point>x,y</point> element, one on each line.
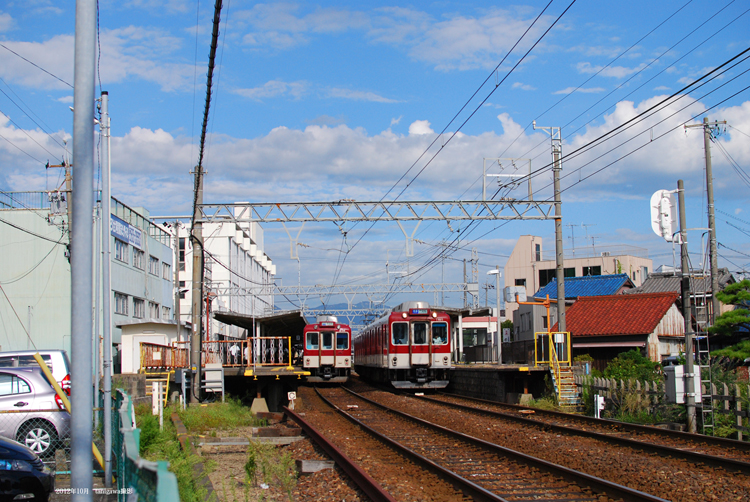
<point>410,348</point>
<point>327,350</point>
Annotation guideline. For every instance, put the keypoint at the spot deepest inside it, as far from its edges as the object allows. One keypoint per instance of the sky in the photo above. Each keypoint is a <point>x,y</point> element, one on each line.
<point>372,100</point>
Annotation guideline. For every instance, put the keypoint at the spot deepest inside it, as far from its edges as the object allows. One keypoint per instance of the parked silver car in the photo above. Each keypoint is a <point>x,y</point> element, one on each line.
<point>57,361</point>
<point>31,412</point>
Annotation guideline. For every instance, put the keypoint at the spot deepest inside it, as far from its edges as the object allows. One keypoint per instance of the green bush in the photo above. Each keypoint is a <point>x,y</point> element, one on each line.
<point>633,365</point>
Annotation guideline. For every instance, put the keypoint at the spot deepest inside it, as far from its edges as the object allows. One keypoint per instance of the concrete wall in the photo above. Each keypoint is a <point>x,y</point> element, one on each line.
<point>36,274</point>
<point>479,383</point>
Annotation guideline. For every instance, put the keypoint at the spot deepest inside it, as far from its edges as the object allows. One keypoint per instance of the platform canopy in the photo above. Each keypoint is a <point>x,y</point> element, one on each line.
<point>281,323</point>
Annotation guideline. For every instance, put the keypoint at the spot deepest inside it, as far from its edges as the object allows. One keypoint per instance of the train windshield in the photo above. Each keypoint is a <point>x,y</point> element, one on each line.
<point>312,340</point>
<point>342,341</point>
<point>327,340</point>
<point>420,333</point>
<point>439,333</point>
<point>400,333</point>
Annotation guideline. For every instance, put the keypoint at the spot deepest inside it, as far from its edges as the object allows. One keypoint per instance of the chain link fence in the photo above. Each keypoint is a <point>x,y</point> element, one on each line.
<point>137,478</point>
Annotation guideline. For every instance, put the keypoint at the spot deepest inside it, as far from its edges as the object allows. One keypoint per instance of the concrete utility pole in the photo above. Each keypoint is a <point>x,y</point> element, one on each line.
<point>689,377</point>
<point>196,300</point>
<point>712,251</point>
<point>177,293</point>
<point>497,275</point>
<point>556,138</point>
<point>106,292</point>
<point>81,424</point>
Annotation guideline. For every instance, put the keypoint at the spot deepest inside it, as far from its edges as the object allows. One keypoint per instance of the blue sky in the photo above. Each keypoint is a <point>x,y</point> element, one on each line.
<point>337,100</point>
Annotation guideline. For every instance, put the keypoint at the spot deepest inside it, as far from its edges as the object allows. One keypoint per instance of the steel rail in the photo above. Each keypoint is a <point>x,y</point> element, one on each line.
<point>710,460</point>
<point>364,481</point>
<point>646,429</point>
<point>613,490</point>
<point>467,487</point>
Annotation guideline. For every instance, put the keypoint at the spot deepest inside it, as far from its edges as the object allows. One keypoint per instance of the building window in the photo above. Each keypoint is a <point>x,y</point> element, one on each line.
<point>166,271</point>
<point>183,290</point>
<point>153,310</point>
<point>538,252</point>
<point>166,313</point>
<point>544,321</point>
<point>121,304</point>
<point>121,251</point>
<point>153,265</point>
<point>139,308</point>
<point>139,259</point>
<point>181,258</point>
<point>520,282</point>
<point>546,276</point>
<point>595,270</point>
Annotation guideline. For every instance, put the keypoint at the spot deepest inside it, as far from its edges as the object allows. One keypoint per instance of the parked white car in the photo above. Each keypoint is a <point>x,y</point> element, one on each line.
<point>57,361</point>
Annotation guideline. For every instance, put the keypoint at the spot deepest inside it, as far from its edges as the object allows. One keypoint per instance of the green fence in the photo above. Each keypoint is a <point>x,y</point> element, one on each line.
<point>151,481</point>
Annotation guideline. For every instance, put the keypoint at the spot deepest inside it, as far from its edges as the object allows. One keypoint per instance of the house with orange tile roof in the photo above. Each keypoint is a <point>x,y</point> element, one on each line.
<point>605,326</point>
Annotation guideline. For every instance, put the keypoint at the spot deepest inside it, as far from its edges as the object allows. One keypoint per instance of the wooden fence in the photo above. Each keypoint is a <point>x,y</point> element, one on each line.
<point>733,400</point>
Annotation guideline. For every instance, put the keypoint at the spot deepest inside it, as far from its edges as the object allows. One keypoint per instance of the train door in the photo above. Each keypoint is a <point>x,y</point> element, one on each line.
<point>438,341</point>
<point>342,352</point>
<point>419,343</point>
<point>401,347</point>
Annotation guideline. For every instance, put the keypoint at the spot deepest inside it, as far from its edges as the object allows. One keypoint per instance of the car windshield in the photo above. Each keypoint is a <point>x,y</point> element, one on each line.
<point>312,340</point>
<point>439,333</point>
<point>342,341</point>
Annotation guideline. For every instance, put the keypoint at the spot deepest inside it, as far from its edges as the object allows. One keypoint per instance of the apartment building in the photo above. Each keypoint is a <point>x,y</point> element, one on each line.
<point>529,266</point>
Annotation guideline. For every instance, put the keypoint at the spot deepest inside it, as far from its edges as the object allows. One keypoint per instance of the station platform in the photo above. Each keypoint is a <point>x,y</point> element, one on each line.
<point>507,383</point>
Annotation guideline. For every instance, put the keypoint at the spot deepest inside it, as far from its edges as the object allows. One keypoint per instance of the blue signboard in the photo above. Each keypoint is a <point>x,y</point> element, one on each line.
<point>126,232</point>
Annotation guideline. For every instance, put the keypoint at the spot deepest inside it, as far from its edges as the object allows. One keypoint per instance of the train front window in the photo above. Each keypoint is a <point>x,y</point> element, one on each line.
<point>342,341</point>
<point>420,333</point>
<point>327,340</point>
<point>439,333</point>
<point>312,340</point>
<point>400,333</point>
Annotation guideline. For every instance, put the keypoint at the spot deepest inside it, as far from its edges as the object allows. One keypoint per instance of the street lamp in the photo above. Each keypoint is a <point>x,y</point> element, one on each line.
<point>497,274</point>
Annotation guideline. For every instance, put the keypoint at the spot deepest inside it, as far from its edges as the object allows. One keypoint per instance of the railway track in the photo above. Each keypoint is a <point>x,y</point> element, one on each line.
<point>667,477</point>
<point>480,469</point>
<point>734,456</point>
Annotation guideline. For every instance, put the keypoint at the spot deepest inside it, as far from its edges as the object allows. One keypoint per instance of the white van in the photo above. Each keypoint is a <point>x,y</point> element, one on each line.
<point>57,361</point>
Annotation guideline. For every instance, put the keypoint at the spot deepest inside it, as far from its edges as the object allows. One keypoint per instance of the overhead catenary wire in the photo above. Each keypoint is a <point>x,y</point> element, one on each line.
<point>492,91</point>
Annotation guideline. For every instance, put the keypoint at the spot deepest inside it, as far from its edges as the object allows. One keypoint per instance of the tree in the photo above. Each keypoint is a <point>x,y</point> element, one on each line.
<point>633,365</point>
<point>735,294</point>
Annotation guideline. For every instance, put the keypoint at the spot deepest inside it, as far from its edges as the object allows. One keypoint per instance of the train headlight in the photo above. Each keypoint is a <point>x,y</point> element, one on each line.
<point>346,360</point>
<point>395,360</point>
<point>434,314</point>
<point>307,362</point>
<point>445,360</point>
<point>403,314</point>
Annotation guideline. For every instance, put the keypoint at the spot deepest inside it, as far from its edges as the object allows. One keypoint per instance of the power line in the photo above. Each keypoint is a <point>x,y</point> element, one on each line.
<point>35,65</point>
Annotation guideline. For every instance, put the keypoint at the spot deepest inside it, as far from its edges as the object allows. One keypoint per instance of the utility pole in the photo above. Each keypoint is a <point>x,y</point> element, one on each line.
<point>106,292</point>
<point>712,251</point>
<point>81,423</point>
<point>556,138</point>
<point>197,296</point>
<point>177,293</point>
<point>689,377</point>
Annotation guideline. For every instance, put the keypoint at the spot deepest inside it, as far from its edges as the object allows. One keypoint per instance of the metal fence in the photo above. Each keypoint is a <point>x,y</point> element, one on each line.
<point>150,481</point>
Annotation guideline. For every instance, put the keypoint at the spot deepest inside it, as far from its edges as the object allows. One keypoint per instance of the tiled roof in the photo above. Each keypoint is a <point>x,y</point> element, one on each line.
<point>617,314</point>
<point>666,281</point>
<point>591,285</point>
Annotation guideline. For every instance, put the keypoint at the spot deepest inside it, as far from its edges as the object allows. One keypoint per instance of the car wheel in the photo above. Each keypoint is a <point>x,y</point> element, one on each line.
<point>40,437</point>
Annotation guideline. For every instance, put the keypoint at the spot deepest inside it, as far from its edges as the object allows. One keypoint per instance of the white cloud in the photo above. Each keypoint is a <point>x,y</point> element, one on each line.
<point>6,22</point>
<point>274,88</point>
<point>128,53</point>
<point>395,121</point>
<point>420,127</point>
<point>456,42</point>
<point>523,87</point>
<point>570,90</point>
<point>359,95</point>
<point>68,100</point>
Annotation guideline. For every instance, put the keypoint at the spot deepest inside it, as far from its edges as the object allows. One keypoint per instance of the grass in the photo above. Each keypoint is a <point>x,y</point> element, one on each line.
<point>163,444</point>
